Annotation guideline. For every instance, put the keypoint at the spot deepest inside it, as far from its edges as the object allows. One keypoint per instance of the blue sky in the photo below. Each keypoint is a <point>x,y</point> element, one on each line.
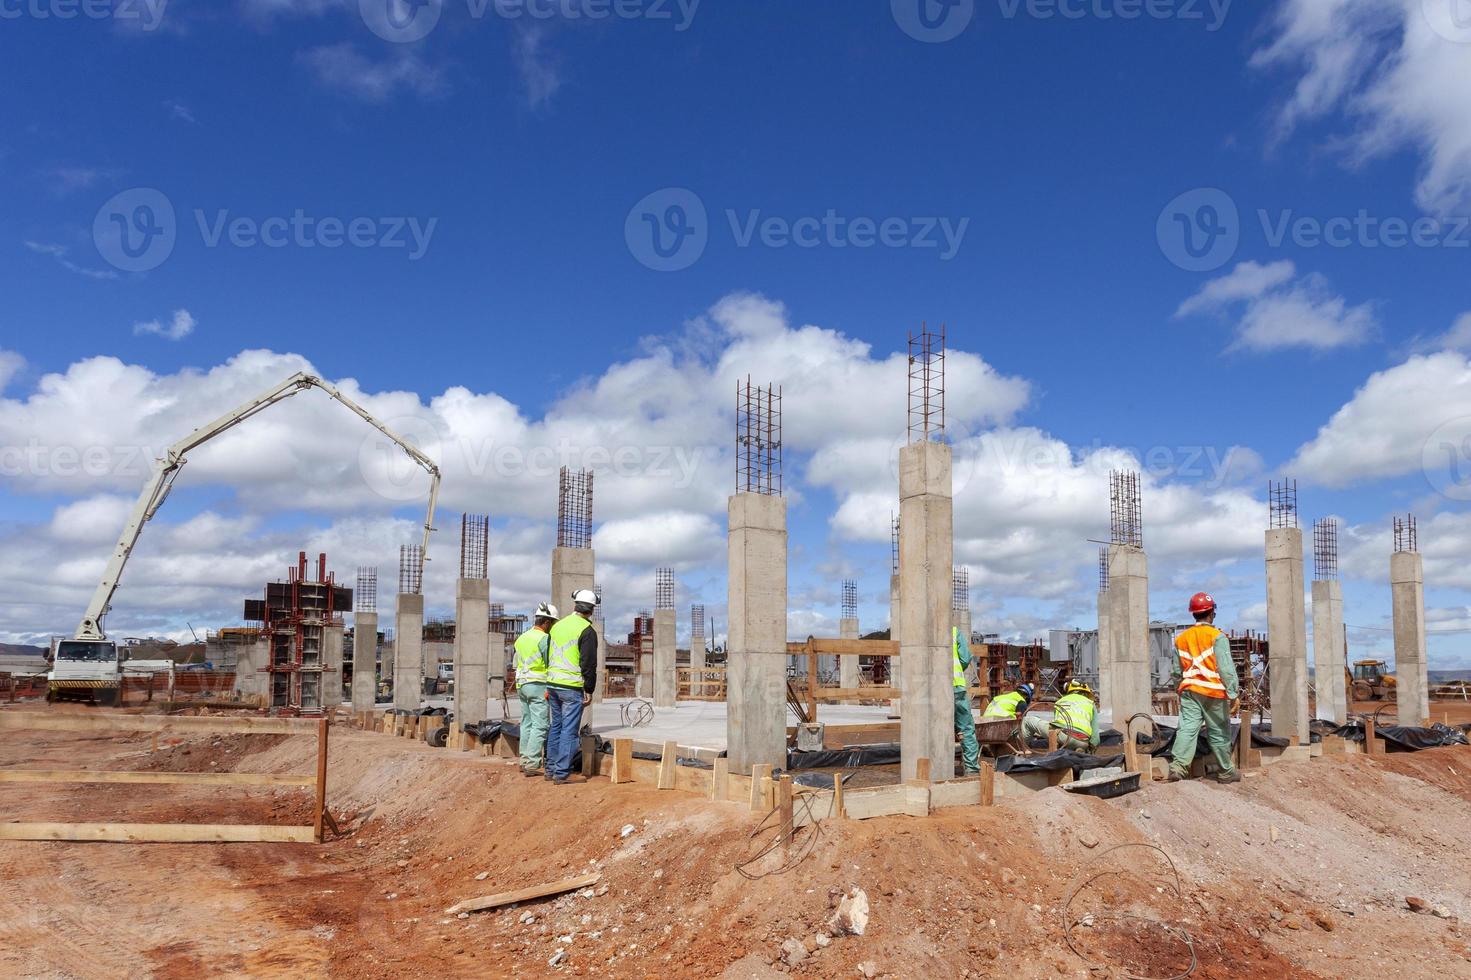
<point>519,146</point>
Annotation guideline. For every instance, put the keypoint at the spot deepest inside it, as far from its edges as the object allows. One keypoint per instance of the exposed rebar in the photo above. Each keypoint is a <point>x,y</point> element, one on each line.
<point>758,439</point>
<point>926,384</point>
<point>574,508</point>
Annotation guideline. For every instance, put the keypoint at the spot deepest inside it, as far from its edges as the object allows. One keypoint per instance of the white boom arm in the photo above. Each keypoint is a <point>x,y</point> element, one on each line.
<point>167,470</point>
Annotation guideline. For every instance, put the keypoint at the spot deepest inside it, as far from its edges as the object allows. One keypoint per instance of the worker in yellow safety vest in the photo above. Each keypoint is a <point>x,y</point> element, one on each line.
<point>532,649</point>
<point>1209,689</point>
<point>965,722</point>
<point>1012,704</point>
<point>572,676</point>
<point>1074,716</point>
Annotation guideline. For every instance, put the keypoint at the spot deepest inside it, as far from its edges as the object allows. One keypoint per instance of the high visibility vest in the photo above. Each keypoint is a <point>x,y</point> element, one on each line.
<point>564,660</point>
<point>1200,673</point>
<point>960,683</point>
<point>1007,705</point>
<point>1076,715</point>
<point>531,658</point>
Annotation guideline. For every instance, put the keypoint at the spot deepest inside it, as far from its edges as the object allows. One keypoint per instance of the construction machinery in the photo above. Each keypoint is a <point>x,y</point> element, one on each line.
<point>1370,681</point>
<point>89,666</point>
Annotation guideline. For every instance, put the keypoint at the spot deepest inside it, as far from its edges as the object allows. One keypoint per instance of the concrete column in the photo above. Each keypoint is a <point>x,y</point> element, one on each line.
<point>756,703</point>
<point>364,660</point>
<point>332,667</point>
<point>600,625</point>
<point>1329,655</point>
<point>850,673</point>
<point>666,686</point>
<point>408,669</point>
<point>472,649</point>
<point>496,671</point>
<point>1131,687</point>
<point>1287,633</point>
<point>896,676</point>
<point>572,570</point>
<point>1411,666</point>
<point>1105,647</point>
<point>251,680</point>
<point>697,659</point>
<point>926,563</point>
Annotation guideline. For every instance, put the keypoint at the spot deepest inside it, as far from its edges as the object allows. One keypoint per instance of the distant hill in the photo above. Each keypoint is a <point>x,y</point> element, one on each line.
<point>19,650</point>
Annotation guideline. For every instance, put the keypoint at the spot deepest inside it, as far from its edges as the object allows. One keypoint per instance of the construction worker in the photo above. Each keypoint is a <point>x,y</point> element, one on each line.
<point>532,649</point>
<point>1206,676</point>
<point>572,676</point>
<point>1075,717</point>
<point>1012,704</point>
<point>965,722</point>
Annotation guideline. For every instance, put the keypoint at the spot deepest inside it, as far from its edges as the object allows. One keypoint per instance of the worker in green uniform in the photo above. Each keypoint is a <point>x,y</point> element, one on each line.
<point>531,686</point>
<point>1209,692</point>
<point>965,722</point>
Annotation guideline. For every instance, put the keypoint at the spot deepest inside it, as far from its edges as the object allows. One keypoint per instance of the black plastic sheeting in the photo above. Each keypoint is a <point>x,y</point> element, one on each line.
<point>1055,762</point>
<point>1406,738</point>
<point>849,758</point>
<point>1261,738</point>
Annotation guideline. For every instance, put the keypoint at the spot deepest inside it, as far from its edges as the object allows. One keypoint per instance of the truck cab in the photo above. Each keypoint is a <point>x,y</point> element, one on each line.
<point>85,670</point>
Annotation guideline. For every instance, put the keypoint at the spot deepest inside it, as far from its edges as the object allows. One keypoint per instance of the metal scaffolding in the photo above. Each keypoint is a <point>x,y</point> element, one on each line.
<point>758,439</point>
<point>1126,523</point>
<point>574,508</point>
<point>365,599</point>
<point>663,588</point>
<point>1325,550</point>
<point>410,569</point>
<point>850,599</point>
<point>474,546</point>
<point>1406,536</point>
<point>1282,504</point>
<point>960,589</point>
<point>926,384</point>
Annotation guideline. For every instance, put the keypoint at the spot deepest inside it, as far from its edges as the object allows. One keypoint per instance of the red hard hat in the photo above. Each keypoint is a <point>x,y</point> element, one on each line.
<point>1202,602</point>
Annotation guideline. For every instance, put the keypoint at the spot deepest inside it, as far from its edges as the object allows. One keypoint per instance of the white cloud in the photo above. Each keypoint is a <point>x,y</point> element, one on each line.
<point>60,253</point>
<point>539,68</point>
<point>1395,70</point>
<point>669,538</point>
<point>178,110</point>
<point>10,365</point>
<point>1457,338</point>
<point>1279,310</point>
<point>181,326</point>
<point>1384,429</point>
<point>342,67</point>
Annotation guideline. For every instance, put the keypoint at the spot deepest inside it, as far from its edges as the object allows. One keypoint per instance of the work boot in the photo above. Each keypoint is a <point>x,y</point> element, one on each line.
<point>1234,776</point>
<point>1174,777</point>
<point>528,771</point>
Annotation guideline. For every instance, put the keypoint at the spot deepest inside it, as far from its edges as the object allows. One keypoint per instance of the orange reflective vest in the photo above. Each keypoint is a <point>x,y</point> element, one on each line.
<point>1200,673</point>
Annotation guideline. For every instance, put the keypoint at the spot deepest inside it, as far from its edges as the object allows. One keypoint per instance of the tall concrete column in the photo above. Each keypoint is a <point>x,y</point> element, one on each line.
<point>926,556</point>
<point>850,674</point>
<point>364,660</point>
<point>1105,648</point>
<point>1131,688</point>
<point>1287,634</point>
<point>1411,666</point>
<point>496,672</point>
<point>331,693</point>
<point>1329,655</point>
<point>896,676</point>
<point>756,704</point>
<point>666,681</point>
<point>408,660</point>
<point>472,649</point>
<point>572,571</point>
<point>697,663</point>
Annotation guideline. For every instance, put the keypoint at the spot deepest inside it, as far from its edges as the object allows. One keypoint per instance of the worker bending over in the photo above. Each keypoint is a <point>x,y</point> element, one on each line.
<point>532,648</point>
<point>1074,716</point>
<point>965,722</point>
<point>572,676</point>
<point>1012,704</point>
<point>1206,675</point>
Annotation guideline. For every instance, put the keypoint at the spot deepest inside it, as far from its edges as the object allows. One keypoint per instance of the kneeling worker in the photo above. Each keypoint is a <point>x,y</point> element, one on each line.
<point>1075,717</point>
<point>531,685</point>
<point>1012,704</point>
<point>1208,688</point>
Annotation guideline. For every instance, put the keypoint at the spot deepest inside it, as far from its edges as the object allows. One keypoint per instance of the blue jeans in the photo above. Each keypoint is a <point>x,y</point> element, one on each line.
<point>566,717</point>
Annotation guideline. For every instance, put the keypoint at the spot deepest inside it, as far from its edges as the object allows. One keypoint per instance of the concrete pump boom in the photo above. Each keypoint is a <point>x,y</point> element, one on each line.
<point>167,470</point>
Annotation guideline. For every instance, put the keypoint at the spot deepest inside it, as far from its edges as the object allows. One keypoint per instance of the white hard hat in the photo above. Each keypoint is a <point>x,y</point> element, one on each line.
<point>547,611</point>
<point>586,597</point>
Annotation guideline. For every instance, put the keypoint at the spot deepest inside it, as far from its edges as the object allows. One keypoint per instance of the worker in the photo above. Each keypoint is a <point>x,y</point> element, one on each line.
<point>965,722</point>
<point>572,676</point>
<point>1206,676</point>
<point>1012,704</point>
<point>1074,716</point>
<point>532,648</point>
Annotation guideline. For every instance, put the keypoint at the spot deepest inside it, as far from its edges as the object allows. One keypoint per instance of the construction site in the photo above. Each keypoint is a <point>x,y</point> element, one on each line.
<point>340,794</point>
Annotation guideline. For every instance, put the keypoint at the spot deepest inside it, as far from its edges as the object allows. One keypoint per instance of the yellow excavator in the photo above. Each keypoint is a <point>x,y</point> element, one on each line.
<point>1370,681</point>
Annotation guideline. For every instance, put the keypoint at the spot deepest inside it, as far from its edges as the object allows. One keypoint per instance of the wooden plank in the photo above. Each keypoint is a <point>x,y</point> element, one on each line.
<point>838,810</point>
<point>884,801</point>
<point>719,780</point>
<point>960,792</point>
<point>784,808</point>
<point>319,808</point>
<point>760,774</point>
<point>169,778</point>
<point>921,772</point>
<point>589,756</point>
<point>861,648</point>
<point>917,799</point>
<point>667,763</point>
<point>988,784</point>
<point>622,760</point>
<point>689,779</point>
<point>114,723</point>
<point>158,833</point>
<point>811,679</point>
<point>1051,739</point>
<point>526,894</point>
